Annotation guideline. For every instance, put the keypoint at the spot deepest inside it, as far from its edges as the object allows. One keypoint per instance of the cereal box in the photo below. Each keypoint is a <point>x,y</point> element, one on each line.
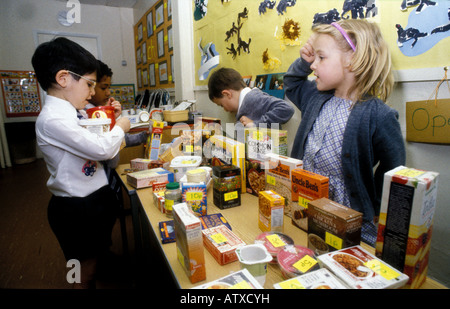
<point>406,221</point>
<point>209,221</point>
<point>306,186</point>
<point>332,226</point>
<point>256,176</point>
<point>359,269</point>
<point>271,211</point>
<point>278,177</point>
<point>189,242</point>
<point>261,141</point>
<point>146,178</point>
<point>221,242</point>
<point>195,195</point>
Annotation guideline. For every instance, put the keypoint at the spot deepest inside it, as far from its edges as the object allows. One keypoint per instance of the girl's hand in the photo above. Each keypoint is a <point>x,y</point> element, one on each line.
<point>117,107</point>
<point>307,51</point>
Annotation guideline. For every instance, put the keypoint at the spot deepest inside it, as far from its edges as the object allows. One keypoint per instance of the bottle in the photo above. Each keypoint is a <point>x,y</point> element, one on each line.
<point>172,197</point>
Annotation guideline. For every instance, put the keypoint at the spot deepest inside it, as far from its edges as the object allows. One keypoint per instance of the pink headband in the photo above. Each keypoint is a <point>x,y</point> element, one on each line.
<point>344,34</point>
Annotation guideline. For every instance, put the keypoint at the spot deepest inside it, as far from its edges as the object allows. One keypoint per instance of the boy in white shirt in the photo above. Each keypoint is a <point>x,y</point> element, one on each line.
<point>82,210</point>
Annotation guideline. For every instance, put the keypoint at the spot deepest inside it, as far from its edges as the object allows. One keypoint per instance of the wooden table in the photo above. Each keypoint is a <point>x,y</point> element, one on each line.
<point>244,223</point>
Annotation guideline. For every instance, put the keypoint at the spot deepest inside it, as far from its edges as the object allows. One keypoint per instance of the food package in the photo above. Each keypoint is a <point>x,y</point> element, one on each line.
<point>209,221</point>
<point>406,221</point>
<point>195,195</point>
<point>261,141</point>
<point>278,177</point>
<point>227,186</point>
<point>295,260</point>
<point>229,152</point>
<point>221,242</point>
<point>189,242</point>
<point>271,211</point>
<point>359,269</point>
<point>159,188</point>
<point>241,279</point>
<point>154,143</point>
<point>255,176</point>
<point>274,243</point>
<point>180,165</point>
<point>332,226</point>
<point>145,178</point>
<point>167,231</point>
<point>321,279</point>
<point>140,164</point>
<point>306,186</point>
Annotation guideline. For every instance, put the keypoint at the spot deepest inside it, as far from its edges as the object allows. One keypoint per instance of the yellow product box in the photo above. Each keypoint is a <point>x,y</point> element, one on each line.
<point>230,152</point>
<point>406,221</point>
<point>261,141</point>
<point>279,177</point>
<point>271,211</point>
<point>222,243</point>
<point>306,187</point>
<point>189,242</point>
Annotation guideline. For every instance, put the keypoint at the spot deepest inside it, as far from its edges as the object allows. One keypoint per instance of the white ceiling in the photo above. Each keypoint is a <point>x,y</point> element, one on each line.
<point>115,3</point>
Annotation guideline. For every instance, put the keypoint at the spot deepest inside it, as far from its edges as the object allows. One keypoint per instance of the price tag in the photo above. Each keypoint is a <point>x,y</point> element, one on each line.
<point>241,285</point>
<point>305,263</point>
<point>407,172</point>
<point>275,240</point>
<point>291,284</point>
<point>219,238</point>
<point>194,196</point>
<point>230,196</point>
<point>333,240</point>
<point>168,205</point>
<point>303,202</point>
<point>382,269</point>
<point>258,135</point>
<point>271,180</point>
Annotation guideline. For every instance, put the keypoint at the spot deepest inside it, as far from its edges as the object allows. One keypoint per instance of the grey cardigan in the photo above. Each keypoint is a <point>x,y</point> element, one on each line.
<point>372,136</point>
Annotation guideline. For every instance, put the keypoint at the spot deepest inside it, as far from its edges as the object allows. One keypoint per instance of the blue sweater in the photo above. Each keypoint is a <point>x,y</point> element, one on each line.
<point>372,136</point>
<point>264,108</point>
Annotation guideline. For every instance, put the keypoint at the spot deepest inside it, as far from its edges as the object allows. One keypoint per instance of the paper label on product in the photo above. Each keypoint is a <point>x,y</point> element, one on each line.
<point>305,263</point>
<point>275,240</point>
<point>409,173</point>
<point>303,202</point>
<point>219,238</point>
<point>258,135</point>
<point>241,285</point>
<point>382,269</point>
<point>271,180</point>
<point>169,204</point>
<point>194,196</point>
<point>291,284</point>
<point>333,240</point>
<point>230,196</point>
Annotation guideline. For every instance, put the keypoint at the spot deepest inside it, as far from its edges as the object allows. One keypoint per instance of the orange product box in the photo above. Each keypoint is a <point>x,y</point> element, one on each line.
<point>306,187</point>
<point>271,211</point>
<point>189,242</point>
<point>406,221</point>
<point>221,242</point>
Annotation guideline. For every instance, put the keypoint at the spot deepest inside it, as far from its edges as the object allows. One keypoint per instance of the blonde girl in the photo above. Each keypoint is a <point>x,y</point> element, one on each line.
<point>347,132</point>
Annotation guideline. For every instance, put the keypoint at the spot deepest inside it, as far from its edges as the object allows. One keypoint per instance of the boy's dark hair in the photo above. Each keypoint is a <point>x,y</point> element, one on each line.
<point>222,79</point>
<point>103,70</point>
<point>61,54</point>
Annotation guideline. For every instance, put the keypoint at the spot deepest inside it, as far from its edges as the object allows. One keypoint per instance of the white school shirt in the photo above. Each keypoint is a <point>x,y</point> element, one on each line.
<point>72,153</point>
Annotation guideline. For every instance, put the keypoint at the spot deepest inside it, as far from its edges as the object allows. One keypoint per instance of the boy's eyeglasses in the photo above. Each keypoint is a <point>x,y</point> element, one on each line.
<point>91,82</point>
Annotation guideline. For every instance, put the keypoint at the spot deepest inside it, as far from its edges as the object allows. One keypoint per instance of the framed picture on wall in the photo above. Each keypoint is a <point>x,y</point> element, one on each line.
<point>145,77</point>
<point>144,52</point>
<point>150,24</point>
<point>163,74</point>
<point>160,43</point>
<point>159,14</point>
<point>138,55</point>
<point>169,9</point>
<point>151,73</point>
<point>140,32</point>
<point>139,77</point>
<point>171,68</point>
<point>169,38</point>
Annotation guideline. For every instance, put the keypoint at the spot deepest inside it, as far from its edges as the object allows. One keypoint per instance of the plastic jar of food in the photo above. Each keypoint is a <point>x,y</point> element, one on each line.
<point>98,126</point>
<point>172,197</point>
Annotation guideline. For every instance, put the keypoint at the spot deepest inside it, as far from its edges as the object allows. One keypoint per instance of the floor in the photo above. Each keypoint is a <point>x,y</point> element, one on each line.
<point>30,257</point>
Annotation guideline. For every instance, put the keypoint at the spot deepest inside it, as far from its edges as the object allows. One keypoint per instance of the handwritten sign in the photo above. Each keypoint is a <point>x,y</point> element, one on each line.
<point>427,122</point>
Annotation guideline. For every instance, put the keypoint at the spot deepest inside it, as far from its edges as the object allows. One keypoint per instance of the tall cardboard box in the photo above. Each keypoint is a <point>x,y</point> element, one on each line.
<point>261,141</point>
<point>406,221</point>
<point>189,242</point>
<point>306,187</point>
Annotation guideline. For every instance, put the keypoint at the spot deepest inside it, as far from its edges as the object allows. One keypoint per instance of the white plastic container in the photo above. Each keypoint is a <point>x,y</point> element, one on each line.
<point>254,258</point>
<point>96,125</point>
<point>180,165</point>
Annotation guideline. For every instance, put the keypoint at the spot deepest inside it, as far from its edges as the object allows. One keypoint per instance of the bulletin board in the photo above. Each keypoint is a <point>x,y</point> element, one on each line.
<point>125,94</point>
<point>154,47</point>
<point>20,93</point>
<point>250,36</point>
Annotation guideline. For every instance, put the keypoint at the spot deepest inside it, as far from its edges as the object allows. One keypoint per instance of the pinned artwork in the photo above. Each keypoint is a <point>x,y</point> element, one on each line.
<point>270,63</point>
<point>283,5</point>
<point>210,59</point>
<point>235,32</point>
<point>201,8</point>
<point>264,5</point>
<point>290,34</point>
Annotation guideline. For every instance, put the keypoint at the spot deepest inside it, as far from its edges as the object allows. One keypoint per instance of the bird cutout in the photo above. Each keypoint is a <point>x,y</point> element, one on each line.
<point>283,5</point>
<point>264,5</point>
<point>423,4</point>
<point>290,33</point>
<point>242,45</point>
<point>270,63</point>
<point>327,17</point>
<point>405,35</point>
<point>359,9</point>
